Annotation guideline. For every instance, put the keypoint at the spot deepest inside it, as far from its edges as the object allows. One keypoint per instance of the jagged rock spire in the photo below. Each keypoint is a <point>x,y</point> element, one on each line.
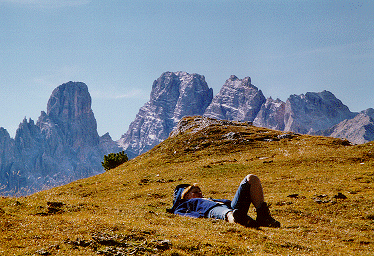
<point>61,147</point>
<point>174,95</point>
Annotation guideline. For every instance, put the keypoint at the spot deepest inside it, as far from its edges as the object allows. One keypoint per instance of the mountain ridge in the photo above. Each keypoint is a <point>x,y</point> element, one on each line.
<point>63,145</point>
<point>238,99</point>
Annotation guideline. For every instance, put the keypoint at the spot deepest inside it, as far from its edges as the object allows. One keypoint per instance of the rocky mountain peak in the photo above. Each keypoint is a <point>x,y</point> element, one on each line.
<point>271,114</point>
<point>369,112</point>
<point>357,130</point>
<point>237,100</point>
<point>61,147</point>
<point>69,101</point>
<point>233,78</point>
<point>6,151</point>
<point>69,107</point>
<point>174,95</point>
<point>64,144</point>
<point>314,111</point>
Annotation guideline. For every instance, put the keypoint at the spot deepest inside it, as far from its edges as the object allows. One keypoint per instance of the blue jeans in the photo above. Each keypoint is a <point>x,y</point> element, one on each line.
<point>241,202</point>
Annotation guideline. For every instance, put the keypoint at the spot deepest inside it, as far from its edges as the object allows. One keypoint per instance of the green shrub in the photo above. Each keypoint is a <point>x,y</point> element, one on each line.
<point>113,160</point>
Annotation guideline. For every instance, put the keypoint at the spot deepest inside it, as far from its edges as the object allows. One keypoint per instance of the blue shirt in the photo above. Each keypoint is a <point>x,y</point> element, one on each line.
<point>198,207</point>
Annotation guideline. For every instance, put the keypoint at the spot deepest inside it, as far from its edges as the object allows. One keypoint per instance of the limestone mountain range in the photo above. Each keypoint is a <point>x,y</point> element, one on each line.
<point>239,100</point>
<point>64,145</point>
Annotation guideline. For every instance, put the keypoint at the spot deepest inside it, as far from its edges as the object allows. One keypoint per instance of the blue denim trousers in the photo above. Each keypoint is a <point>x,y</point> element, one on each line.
<point>241,202</point>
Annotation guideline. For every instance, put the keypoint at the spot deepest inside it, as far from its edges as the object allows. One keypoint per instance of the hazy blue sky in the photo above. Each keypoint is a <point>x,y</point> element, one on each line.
<point>118,48</point>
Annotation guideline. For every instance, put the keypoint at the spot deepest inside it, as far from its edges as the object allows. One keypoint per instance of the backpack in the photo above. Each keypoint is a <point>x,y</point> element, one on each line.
<point>177,196</point>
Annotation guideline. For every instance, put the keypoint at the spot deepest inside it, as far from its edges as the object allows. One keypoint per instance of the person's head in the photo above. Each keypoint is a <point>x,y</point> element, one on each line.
<point>192,191</point>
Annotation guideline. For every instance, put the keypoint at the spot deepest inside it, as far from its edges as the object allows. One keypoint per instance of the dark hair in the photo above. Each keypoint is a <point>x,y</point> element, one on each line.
<point>188,189</point>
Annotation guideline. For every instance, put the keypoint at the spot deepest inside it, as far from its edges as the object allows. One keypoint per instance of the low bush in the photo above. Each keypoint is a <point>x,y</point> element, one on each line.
<point>113,160</point>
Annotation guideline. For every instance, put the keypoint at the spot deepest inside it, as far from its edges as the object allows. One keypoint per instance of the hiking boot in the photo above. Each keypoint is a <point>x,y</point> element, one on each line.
<point>264,218</point>
<point>242,219</point>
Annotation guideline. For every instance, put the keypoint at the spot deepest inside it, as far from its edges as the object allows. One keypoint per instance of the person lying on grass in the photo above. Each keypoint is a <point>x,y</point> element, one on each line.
<point>189,201</point>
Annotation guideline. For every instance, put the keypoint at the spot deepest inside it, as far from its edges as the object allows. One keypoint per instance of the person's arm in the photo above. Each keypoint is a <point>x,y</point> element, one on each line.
<point>196,207</point>
<point>188,214</point>
<point>224,201</point>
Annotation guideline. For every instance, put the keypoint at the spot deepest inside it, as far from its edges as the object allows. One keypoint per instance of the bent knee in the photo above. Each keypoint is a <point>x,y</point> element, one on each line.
<point>252,178</point>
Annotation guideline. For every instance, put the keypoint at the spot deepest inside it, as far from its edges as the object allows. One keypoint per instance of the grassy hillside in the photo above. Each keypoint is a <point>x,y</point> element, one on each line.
<point>122,212</point>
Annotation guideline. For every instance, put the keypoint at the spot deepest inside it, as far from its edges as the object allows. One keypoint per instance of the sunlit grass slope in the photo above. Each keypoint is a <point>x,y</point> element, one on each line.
<point>321,190</point>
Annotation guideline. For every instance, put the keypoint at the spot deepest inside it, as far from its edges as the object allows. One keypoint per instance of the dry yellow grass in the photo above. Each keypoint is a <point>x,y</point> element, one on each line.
<point>122,212</point>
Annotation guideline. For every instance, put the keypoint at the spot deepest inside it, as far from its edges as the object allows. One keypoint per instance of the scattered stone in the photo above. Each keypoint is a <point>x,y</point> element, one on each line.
<point>43,252</point>
<point>230,135</point>
<point>365,242</point>
<point>293,196</point>
<point>54,247</point>
<point>285,136</point>
<point>79,242</point>
<point>117,244</point>
<point>54,207</point>
<point>348,240</point>
<point>332,200</point>
<point>16,203</point>
<point>283,203</point>
<point>323,199</point>
<point>161,244</point>
<point>144,181</point>
<point>111,251</point>
<point>340,196</point>
<point>318,199</point>
<point>267,162</point>
<point>164,181</point>
<point>109,240</point>
<point>370,216</point>
<point>321,196</point>
<point>265,158</point>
